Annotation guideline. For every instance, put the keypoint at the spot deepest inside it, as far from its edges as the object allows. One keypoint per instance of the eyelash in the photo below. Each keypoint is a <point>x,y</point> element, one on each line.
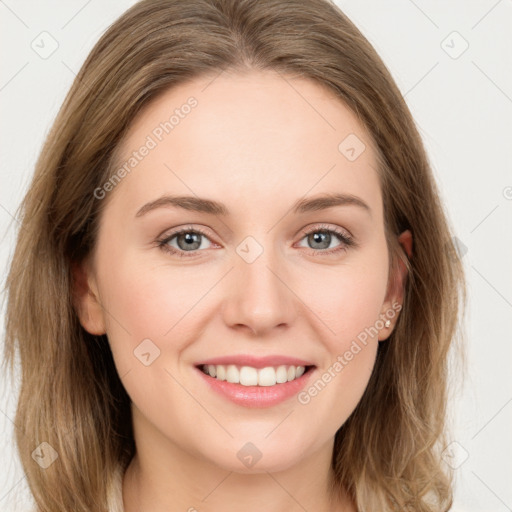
<point>346,240</point>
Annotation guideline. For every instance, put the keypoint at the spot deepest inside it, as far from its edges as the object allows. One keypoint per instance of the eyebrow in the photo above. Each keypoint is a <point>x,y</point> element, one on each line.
<point>199,204</point>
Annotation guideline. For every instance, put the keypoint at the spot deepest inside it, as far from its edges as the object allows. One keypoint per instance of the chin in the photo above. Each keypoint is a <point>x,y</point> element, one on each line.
<point>251,457</point>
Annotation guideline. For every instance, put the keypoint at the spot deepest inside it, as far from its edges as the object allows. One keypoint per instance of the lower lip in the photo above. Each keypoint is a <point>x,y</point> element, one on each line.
<point>257,396</point>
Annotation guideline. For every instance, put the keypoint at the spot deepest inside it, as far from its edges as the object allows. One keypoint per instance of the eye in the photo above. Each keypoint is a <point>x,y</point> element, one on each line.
<point>184,240</point>
<point>320,238</point>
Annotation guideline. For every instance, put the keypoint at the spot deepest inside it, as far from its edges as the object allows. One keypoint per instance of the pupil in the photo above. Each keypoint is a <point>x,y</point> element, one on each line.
<point>322,238</point>
<point>190,239</point>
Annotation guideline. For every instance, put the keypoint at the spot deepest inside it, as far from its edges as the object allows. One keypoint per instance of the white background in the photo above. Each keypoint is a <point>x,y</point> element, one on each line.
<point>463,109</point>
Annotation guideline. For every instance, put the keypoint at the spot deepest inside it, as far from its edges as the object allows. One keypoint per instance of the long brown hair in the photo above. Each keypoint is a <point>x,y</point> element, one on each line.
<point>387,455</point>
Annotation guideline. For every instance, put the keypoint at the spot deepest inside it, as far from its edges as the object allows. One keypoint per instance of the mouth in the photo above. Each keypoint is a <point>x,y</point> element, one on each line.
<point>255,386</point>
<point>251,376</point>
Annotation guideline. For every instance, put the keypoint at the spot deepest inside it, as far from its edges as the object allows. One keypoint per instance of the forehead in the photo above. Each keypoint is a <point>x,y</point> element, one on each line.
<point>247,137</point>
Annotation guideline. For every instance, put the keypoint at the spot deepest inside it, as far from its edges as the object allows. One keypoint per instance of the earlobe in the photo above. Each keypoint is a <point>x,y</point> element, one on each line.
<point>86,299</point>
<point>396,288</point>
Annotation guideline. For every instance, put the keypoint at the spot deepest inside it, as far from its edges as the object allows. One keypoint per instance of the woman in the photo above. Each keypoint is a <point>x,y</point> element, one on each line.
<point>185,343</point>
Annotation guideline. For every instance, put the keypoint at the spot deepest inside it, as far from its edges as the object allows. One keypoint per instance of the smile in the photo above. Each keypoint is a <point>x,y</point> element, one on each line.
<point>250,376</point>
<point>253,387</point>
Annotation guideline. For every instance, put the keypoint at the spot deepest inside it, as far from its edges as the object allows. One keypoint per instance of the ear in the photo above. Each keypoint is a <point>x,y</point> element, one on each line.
<point>396,285</point>
<point>86,298</point>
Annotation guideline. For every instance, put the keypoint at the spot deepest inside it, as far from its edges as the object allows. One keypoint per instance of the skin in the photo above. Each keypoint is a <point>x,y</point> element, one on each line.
<point>252,141</point>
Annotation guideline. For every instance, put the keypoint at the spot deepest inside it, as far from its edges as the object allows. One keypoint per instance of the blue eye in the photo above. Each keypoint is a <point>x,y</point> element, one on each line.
<point>190,240</point>
<point>323,236</point>
<point>187,239</point>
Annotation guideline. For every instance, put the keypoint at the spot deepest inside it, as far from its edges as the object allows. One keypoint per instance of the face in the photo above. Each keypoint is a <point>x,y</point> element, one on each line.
<point>263,274</point>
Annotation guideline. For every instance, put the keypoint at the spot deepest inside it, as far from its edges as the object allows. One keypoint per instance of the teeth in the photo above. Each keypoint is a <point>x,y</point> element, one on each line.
<point>221,372</point>
<point>281,374</point>
<point>266,376</point>
<point>249,376</point>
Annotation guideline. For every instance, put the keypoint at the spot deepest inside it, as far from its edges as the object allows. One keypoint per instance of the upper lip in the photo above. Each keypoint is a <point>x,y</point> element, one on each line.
<point>256,362</point>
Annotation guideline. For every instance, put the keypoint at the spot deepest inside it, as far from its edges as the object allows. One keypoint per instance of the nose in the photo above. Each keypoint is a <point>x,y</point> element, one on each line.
<point>259,296</point>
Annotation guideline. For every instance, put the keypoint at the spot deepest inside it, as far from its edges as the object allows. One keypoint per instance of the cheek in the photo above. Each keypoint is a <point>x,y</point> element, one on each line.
<point>149,323</point>
<point>346,300</point>
<point>161,303</point>
<point>347,304</point>
<point>149,302</point>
